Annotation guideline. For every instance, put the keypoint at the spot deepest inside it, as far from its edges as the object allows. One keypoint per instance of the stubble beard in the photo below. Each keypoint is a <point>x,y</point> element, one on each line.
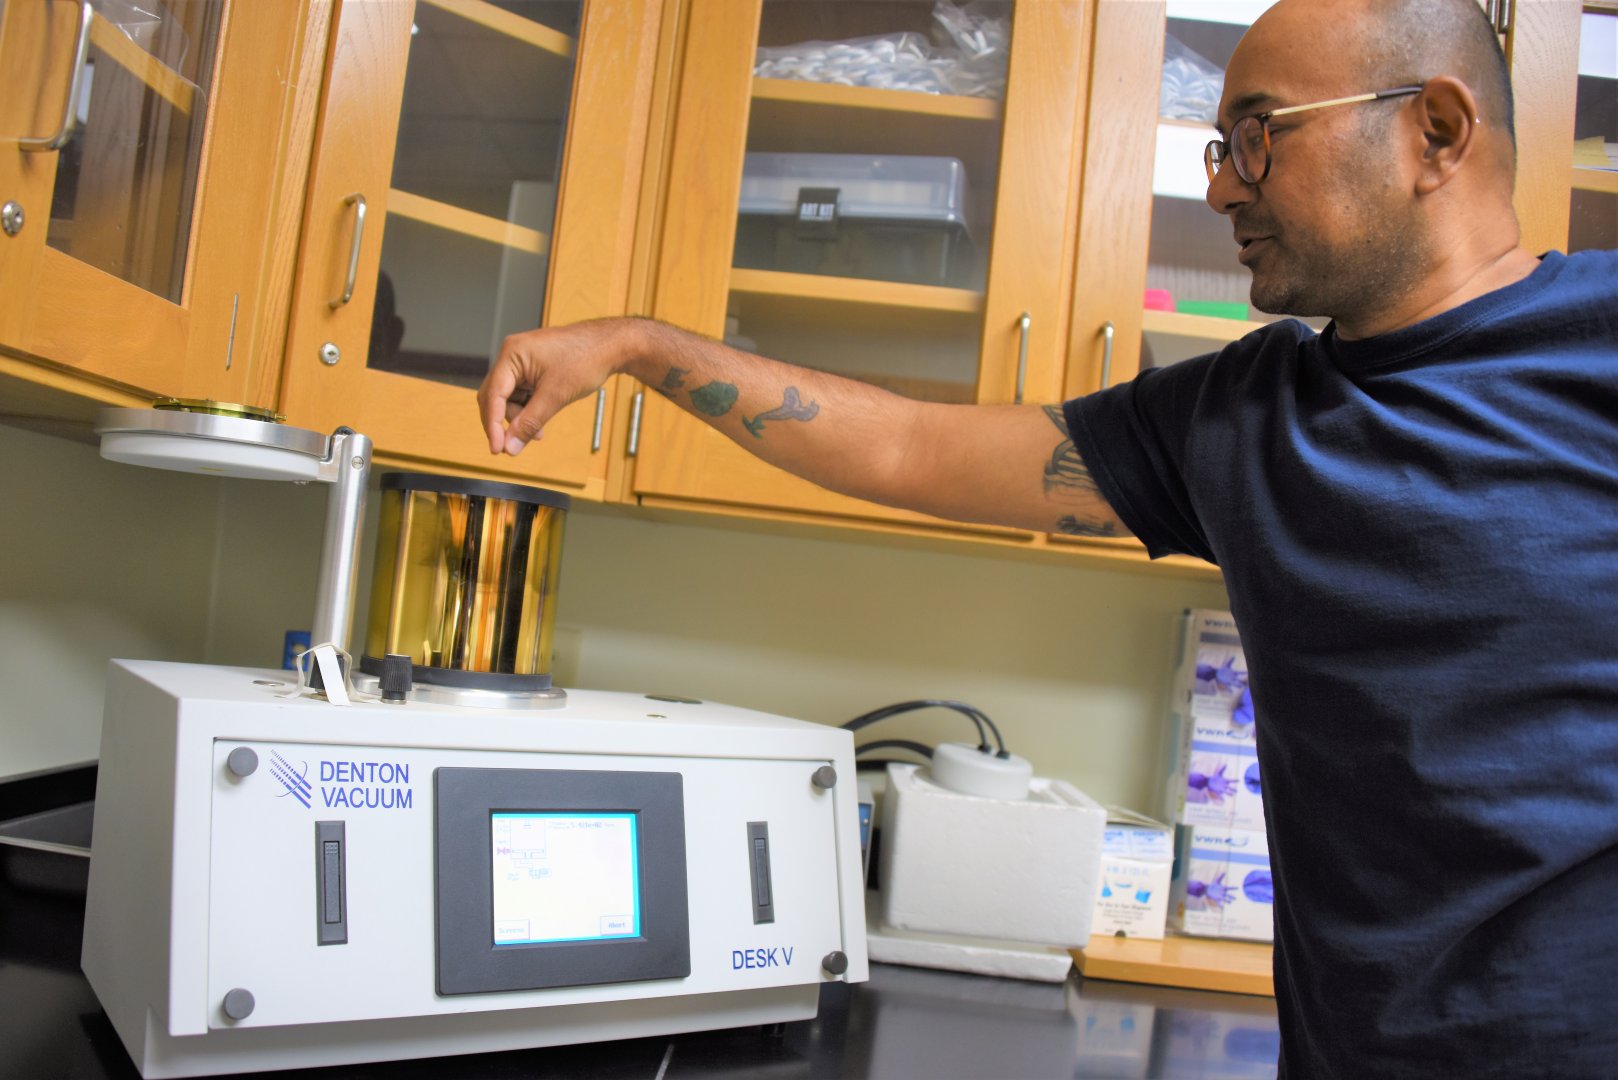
<point>1347,273</point>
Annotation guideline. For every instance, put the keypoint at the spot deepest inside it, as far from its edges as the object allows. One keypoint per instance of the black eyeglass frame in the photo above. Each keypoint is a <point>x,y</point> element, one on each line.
<point>1219,151</point>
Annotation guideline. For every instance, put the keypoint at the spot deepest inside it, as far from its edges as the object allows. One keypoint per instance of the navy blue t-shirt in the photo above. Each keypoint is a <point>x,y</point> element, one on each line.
<point>1419,535</point>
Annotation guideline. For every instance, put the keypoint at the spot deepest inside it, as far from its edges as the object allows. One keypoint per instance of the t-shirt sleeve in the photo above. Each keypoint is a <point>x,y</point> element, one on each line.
<point>1133,439</point>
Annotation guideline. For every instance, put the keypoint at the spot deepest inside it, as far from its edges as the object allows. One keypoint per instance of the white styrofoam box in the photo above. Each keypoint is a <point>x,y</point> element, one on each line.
<point>1211,774</point>
<point>963,864</point>
<point>963,952</point>
<point>1132,892</point>
<point>1222,885</point>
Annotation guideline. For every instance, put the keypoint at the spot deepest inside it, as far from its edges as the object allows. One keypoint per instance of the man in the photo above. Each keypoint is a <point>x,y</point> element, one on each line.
<point>1416,513</point>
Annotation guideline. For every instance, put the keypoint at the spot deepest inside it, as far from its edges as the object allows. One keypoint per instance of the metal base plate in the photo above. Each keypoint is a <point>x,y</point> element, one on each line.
<point>429,693</point>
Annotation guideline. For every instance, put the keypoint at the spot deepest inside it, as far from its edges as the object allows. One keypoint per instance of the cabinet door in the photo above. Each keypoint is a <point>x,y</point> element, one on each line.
<point>144,156</point>
<point>1158,75</point>
<point>952,216</point>
<point>1593,209</point>
<point>476,173</point>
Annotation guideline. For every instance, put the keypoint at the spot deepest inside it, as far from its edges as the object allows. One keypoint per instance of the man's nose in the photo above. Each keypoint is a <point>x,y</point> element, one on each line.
<point>1228,192</point>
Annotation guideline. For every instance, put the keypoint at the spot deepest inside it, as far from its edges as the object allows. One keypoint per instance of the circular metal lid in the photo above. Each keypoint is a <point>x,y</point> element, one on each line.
<point>211,444</point>
<point>218,408</point>
<point>488,489</point>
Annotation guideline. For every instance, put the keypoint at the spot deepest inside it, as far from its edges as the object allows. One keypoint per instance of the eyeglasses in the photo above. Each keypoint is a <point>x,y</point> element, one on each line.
<point>1248,147</point>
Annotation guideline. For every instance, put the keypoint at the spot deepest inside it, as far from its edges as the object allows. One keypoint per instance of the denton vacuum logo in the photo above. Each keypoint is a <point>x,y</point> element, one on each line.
<point>352,785</point>
<point>295,782</point>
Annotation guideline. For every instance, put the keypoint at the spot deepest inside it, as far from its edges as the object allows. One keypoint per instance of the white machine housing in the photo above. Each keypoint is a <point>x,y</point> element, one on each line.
<point>204,883</point>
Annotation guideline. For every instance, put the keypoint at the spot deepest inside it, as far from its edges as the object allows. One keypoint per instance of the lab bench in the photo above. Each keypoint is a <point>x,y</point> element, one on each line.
<point>904,1022</point>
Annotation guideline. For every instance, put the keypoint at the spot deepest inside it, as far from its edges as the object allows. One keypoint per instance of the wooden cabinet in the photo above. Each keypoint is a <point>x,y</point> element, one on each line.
<point>477,171</point>
<point>339,207</point>
<point>932,307</point>
<point>151,173</point>
<point>1593,207</point>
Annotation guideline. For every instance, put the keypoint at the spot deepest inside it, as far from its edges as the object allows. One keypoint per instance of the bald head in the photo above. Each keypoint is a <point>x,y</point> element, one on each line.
<point>1412,41</point>
<point>1355,46</point>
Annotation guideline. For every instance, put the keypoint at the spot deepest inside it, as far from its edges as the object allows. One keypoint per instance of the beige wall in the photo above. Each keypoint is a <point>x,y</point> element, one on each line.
<point>105,560</point>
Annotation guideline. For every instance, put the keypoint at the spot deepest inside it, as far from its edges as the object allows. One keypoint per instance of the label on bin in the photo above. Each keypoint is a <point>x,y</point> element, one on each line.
<point>817,213</point>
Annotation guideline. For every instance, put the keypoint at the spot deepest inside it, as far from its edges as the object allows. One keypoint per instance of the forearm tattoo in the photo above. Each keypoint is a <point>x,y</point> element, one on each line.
<point>1065,471</point>
<point>715,399</point>
<point>791,408</point>
<point>673,381</point>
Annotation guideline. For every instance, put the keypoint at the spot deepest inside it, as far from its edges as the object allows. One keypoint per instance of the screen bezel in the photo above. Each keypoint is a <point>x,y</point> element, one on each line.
<point>469,962</point>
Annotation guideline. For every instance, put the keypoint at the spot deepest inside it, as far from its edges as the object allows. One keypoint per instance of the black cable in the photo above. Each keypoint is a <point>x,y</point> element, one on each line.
<point>875,763</point>
<point>897,744</point>
<point>884,713</point>
<point>977,716</point>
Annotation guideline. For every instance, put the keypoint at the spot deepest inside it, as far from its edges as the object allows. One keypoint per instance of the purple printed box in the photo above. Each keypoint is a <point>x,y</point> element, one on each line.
<point>1222,885</point>
<point>1211,773</point>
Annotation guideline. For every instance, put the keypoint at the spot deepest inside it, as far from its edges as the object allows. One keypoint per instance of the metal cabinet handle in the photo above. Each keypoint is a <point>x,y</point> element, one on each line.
<point>601,415</point>
<point>75,77</point>
<point>1107,333</point>
<point>1498,13</point>
<point>1024,321</point>
<point>634,423</point>
<point>357,201</point>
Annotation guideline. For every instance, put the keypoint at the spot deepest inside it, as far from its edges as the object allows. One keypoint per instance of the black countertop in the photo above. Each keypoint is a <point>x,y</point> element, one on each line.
<point>904,1022</point>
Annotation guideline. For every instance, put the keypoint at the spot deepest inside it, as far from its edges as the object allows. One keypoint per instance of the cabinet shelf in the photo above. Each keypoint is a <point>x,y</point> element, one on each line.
<point>163,80</point>
<point>1208,327</point>
<point>1586,179</point>
<point>792,115</point>
<point>834,95</point>
<point>466,222</point>
<point>862,293</point>
<point>504,22</point>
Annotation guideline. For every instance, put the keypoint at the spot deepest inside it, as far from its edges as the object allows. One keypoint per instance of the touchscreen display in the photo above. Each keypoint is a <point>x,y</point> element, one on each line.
<point>564,877</point>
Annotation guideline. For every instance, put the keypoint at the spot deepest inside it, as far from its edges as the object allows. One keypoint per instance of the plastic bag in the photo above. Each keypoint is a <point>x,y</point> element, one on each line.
<point>888,62</point>
<point>971,61</point>
<point>981,34</point>
<point>1191,84</point>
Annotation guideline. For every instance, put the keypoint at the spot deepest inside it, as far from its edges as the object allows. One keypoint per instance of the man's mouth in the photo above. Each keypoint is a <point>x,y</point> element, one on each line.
<point>1249,247</point>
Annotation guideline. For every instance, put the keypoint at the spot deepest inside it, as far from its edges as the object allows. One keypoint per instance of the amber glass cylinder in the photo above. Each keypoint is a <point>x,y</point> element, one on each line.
<point>465,581</point>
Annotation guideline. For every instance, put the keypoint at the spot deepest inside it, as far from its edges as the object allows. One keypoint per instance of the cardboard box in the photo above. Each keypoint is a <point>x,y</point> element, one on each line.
<point>1222,885</point>
<point>1132,891</point>
<point>1210,772</point>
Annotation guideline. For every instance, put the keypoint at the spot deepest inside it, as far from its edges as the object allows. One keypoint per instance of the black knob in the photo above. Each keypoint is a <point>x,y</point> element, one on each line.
<point>396,678</point>
<point>835,962</point>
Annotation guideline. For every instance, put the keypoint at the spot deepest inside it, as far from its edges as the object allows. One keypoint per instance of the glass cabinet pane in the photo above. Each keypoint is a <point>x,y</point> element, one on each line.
<point>466,243</point>
<point>867,195</point>
<point>1196,290</point>
<point>126,180</point>
<point>1593,222</point>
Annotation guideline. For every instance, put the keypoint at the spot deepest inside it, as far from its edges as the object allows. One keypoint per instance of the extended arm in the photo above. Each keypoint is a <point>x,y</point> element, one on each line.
<point>1001,465</point>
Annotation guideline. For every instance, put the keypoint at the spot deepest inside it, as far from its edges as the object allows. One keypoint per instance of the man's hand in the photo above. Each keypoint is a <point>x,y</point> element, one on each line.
<point>540,372</point>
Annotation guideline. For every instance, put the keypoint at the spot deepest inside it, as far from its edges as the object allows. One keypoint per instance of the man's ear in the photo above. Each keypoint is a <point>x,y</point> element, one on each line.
<point>1450,125</point>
